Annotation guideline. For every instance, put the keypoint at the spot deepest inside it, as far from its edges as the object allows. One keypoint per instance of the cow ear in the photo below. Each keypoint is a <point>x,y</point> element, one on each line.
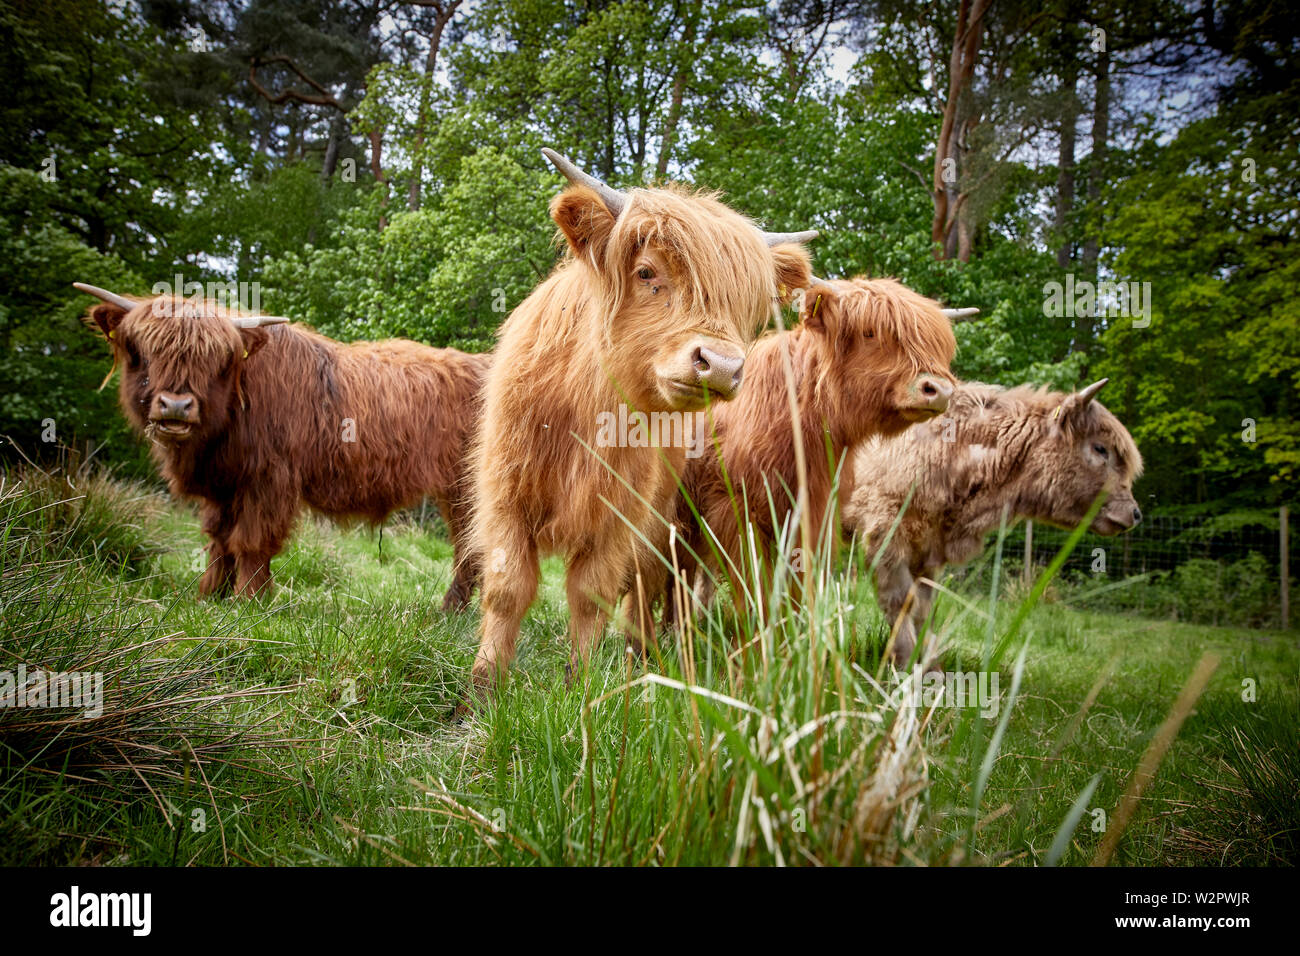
<point>818,301</point>
<point>793,269</point>
<point>584,220</point>
<point>108,318</point>
<point>253,339</point>
<point>1078,403</point>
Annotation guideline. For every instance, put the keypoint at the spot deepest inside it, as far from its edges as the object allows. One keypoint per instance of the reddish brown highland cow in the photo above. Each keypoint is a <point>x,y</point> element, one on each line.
<point>869,357</point>
<point>254,422</point>
<point>653,310</point>
<point>1026,452</point>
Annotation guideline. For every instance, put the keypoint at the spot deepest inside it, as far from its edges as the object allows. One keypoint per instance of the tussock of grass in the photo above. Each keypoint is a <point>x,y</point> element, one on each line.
<point>157,717</point>
<point>82,512</point>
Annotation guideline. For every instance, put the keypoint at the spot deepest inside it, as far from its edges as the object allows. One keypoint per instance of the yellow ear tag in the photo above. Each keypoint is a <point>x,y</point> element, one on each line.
<point>1056,414</point>
<point>245,353</point>
<point>112,332</point>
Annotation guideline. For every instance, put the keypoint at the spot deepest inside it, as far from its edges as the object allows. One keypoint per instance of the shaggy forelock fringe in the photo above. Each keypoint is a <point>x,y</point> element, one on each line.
<point>909,326</point>
<point>192,331</point>
<point>1026,401</point>
<point>716,255</point>
<point>911,323</point>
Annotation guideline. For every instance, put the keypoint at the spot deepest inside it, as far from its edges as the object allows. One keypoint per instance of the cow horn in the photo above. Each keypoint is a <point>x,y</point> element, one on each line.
<point>112,298</point>
<point>961,315</point>
<point>614,199</point>
<point>1089,393</point>
<point>777,238</point>
<point>253,321</point>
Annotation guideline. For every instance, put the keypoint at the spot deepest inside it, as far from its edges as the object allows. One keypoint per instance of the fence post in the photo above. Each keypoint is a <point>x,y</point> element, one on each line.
<point>1029,552</point>
<point>1285,543</point>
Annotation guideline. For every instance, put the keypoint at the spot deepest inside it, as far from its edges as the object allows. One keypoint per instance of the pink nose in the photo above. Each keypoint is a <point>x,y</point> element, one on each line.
<point>173,407</point>
<point>933,391</point>
<point>717,372</point>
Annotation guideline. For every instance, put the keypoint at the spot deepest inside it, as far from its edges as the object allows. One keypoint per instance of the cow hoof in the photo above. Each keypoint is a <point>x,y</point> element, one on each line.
<point>455,602</point>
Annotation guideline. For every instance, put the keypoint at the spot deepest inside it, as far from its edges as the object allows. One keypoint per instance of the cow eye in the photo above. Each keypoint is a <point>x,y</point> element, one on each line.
<point>869,334</point>
<point>1101,450</point>
<point>645,272</point>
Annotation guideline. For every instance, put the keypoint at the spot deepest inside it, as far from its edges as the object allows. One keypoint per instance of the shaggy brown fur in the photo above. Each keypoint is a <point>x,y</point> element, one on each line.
<point>256,422</point>
<point>1037,454</point>
<point>869,357</point>
<point>622,320</point>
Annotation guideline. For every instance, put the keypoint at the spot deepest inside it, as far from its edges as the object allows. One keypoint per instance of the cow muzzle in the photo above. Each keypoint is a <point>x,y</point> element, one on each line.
<point>173,417</point>
<point>1117,517</point>
<point>703,370</point>
<point>926,396</point>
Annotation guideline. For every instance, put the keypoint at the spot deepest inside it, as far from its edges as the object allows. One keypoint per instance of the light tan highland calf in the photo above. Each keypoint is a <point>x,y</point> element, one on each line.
<point>655,308</point>
<point>1037,454</point>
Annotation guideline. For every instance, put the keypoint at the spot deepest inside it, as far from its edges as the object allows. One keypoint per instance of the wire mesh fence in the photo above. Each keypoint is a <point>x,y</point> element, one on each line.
<point>1213,569</point>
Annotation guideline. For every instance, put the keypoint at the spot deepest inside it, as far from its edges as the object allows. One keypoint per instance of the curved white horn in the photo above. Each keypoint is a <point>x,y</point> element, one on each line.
<point>614,200</point>
<point>254,321</point>
<point>777,238</point>
<point>1088,394</point>
<point>959,315</point>
<point>112,298</point>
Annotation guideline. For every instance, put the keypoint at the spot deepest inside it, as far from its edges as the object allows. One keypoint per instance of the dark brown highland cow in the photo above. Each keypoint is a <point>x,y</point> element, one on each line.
<point>254,422</point>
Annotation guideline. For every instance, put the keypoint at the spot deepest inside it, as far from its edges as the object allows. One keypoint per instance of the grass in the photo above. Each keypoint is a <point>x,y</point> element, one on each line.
<point>315,726</point>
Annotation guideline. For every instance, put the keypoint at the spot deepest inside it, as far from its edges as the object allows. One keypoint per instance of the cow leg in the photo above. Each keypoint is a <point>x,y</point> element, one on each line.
<point>467,568</point>
<point>219,577</point>
<point>262,526</point>
<point>894,584</point>
<point>592,585</point>
<point>648,583</point>
<point>509,586</point>
<point>923,604</point>
<point>253,571</point>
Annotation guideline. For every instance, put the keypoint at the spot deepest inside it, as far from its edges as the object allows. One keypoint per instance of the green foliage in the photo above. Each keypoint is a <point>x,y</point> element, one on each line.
<point>1209,220</point>
<point>136,156</point>
<point>446,274</point>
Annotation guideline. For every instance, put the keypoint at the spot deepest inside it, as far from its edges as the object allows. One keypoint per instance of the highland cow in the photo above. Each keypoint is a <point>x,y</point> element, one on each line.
<point>869,357</point>
<point>1024,452</point>
<point>654,308</point>
<point>254,422</point>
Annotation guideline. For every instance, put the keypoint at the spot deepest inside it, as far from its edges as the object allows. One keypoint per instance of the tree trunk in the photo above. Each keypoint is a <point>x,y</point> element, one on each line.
<point>961,69</point>
<point>675,102</point>
<point>377,169</point>
<point>1097,162</point>
<point>331,160</point>
<point>443,17</point>
<point>1065,162</point>
<point>1096,179</point>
